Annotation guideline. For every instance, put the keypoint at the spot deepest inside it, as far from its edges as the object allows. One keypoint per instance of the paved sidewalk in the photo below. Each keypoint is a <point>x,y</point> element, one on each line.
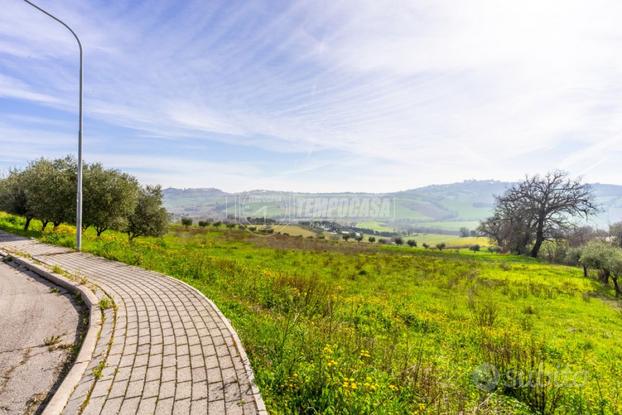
<point>164,348</point>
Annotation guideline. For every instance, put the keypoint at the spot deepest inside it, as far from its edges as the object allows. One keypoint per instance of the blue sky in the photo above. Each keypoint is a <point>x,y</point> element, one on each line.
<point>318,95</point>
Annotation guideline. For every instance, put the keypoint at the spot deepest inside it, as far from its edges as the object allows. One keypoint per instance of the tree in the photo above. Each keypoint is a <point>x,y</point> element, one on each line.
<point>440,246</point>
<point>398,240</point>
<point>573,257</point>
<point>615,231</point>
<point>14,197</point>
<point>37,180</point>
<point>358,237</point>
<point>149,217</point>
<point>615,265</point>
<point>203,223</point>
<point>475,248</point>
<point>537,209</point>
<point>596,255</point>
<point>412,243</point>
<point>186,222</point>
<point>580,235</point>
<point>510,232</point>
<point>50,187</point>
<point>464,232</point>
<point>109,198</point>
<point>607,259</point>
<point>372,239</point>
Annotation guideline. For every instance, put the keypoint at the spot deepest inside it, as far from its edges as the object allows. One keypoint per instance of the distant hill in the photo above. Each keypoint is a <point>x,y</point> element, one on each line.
<point>443,207</point>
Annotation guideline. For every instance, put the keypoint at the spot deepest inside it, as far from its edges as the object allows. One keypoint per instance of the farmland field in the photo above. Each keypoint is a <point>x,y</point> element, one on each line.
<point>347,328</point>
<point>451,240</point>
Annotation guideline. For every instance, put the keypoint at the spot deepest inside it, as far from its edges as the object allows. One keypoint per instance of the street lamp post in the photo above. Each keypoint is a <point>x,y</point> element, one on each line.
<point>79,175</point>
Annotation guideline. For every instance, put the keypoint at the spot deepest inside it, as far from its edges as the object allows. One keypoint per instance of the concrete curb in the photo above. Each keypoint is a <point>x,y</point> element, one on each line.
<point>61,396</point>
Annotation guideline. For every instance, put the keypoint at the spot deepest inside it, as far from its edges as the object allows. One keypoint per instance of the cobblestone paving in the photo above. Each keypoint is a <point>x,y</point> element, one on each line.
<point>163,348</point>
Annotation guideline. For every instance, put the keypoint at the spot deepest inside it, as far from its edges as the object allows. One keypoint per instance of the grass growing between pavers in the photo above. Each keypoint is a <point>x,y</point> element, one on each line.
<point>348,328</point>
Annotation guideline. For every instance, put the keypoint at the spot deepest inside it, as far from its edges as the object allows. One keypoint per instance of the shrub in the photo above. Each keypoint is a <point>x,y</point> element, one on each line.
<point>372,239</point>
<point>203,223</point>
<point>440,246</point>
<point>398,241</point>
<point>425,245</point>
<point>186,222</point>
<point>475,248</point>
<point>412,243</point>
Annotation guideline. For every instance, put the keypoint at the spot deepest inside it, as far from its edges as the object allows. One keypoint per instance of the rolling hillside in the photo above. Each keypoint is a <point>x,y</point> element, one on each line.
<point>438,207</point>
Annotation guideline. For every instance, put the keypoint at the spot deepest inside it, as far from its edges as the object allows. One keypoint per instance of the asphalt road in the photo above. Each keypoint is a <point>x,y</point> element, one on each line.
<point>38,326</point>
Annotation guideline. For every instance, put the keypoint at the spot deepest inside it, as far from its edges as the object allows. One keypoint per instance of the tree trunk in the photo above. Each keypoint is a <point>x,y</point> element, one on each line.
<point>100,231</point>
<point>604,276</point>
<point>44,224</point>
<point>616,285</point>
<point>539,239</point>
<point>27,224</point>
<point>536,247</point>
<point>56,225</point>
<point>585,274</point>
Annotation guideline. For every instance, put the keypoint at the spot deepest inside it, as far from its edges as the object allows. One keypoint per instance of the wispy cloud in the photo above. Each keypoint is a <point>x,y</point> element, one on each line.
<point>325,95</point>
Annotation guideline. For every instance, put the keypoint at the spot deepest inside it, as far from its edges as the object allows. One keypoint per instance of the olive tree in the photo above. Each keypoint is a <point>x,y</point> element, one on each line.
<point>615,231</point>
<point>109,198</point>
<point>50,187</point>
<point>605,258</point>
<point>14,198</point>
<point>149,217</point>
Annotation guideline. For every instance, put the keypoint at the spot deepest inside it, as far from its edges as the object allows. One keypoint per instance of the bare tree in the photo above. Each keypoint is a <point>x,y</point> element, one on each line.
<point>538,209</point>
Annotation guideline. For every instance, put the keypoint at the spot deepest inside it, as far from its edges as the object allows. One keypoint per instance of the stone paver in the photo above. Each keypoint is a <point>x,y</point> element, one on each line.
<point>164,348</point>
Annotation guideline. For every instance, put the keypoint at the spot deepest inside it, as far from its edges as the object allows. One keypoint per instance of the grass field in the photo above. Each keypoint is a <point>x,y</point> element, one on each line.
<point>451,240</point>
<point>449,225</point>
<point>346,328</point>
<point>375,226</point>
<point>433,225</point>
<point>294,230</point>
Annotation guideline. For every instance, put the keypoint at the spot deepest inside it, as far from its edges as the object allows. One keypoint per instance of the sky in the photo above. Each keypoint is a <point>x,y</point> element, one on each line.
<point>323,95</point>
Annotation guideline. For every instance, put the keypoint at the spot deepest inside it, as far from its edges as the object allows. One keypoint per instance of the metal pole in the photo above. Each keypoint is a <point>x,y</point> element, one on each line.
<point>79,172</point>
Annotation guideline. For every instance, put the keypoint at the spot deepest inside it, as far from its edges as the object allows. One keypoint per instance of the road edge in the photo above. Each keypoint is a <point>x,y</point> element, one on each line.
<point>60,398</point>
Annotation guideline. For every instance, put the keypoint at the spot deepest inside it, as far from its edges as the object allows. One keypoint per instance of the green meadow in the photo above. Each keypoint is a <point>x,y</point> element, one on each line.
<point>344,328</point>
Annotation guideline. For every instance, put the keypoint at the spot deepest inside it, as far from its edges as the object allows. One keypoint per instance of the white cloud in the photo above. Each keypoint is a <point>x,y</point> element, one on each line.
<point>414,92</point>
